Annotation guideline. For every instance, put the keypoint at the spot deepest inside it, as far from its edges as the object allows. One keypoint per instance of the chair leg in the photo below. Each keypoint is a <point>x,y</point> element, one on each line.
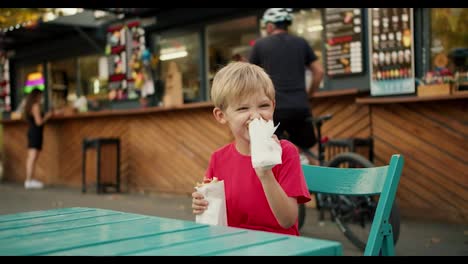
<point>388,248</point>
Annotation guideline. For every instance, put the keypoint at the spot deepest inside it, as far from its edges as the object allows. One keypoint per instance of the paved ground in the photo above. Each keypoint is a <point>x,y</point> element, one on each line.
<point>417,238</point>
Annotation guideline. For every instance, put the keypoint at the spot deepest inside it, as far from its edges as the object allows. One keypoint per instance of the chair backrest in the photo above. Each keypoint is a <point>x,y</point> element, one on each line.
<point>382,181</point>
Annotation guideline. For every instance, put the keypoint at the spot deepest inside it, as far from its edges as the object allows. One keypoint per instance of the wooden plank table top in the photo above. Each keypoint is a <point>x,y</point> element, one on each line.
<point>100,232</point>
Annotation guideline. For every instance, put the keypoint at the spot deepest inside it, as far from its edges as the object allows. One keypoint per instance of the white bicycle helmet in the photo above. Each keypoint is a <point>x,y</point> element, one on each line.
<point>276,15</point>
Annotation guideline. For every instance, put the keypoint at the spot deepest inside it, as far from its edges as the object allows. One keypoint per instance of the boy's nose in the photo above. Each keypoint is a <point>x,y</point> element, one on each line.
<point>254,115</point>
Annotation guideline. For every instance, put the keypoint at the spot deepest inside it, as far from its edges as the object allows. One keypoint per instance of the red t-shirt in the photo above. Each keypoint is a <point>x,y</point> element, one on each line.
<point>246,203</point>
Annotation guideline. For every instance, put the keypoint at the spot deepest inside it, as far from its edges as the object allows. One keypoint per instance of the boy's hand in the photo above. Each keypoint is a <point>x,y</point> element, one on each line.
<point>199,204</point>
<point>276,139</point>
<point>263,172</point>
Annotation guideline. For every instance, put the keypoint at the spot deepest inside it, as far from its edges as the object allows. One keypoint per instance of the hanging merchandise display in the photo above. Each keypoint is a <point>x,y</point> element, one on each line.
<point>128,57</point>
<point>5,98</point>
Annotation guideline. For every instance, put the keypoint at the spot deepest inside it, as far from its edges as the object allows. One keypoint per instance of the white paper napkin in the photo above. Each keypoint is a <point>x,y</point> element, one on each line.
<point>215,214</point>
<point>264,150</point>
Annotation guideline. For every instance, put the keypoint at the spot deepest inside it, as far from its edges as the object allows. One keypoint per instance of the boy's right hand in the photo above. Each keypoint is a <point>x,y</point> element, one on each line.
<point>199,204</point>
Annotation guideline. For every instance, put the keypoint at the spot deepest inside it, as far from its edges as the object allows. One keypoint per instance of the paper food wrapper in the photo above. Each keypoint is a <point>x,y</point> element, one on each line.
<point>215,214</point>
<point>264,150</point>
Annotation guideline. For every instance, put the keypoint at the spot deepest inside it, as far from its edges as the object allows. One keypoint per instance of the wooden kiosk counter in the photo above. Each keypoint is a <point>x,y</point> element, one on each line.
<point>162,149</point>
<point>168,149</point>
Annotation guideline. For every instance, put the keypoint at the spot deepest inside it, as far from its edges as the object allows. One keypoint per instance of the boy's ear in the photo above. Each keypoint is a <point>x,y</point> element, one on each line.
<point>219,115</point>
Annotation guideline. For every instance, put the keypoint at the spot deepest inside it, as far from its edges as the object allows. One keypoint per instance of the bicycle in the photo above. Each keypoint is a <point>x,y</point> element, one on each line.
<point>352,214</point>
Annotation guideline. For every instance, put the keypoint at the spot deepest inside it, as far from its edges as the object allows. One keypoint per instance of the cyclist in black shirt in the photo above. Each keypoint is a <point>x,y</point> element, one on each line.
<point>285,58</point>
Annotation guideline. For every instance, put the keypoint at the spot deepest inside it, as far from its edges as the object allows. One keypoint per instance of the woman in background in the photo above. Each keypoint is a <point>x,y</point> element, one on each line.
<point>36,121</point>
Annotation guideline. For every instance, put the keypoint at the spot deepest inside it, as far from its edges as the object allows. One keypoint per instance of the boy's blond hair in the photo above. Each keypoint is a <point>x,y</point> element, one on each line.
<point>238,80</point>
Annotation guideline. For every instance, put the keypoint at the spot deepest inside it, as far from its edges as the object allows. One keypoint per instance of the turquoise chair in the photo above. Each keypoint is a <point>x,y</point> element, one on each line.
<point>381,181</point>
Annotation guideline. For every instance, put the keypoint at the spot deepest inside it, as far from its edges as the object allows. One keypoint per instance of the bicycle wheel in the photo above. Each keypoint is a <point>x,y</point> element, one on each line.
<point>354,214</point>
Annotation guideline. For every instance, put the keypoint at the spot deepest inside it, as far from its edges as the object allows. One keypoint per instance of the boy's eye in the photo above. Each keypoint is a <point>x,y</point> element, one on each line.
<point>241,108</point>
<point>265,105</point>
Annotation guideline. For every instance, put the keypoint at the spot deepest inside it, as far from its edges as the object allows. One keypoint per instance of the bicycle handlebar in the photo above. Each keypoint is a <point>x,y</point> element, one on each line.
<point>319,119</point>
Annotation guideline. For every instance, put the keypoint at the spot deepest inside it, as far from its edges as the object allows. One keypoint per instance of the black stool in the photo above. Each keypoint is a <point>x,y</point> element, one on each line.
<point>97,143</point>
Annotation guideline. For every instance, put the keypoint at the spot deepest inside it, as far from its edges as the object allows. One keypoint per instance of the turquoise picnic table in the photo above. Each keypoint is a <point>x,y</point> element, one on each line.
<point>100,232</point>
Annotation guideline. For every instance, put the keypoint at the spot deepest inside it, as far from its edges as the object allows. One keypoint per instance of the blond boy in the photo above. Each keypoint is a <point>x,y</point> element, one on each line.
<point>263,198</point>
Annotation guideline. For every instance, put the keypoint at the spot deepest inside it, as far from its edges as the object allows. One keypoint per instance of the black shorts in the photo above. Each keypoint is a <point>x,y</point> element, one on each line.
<point>295,127</point>
<point>35,139</point>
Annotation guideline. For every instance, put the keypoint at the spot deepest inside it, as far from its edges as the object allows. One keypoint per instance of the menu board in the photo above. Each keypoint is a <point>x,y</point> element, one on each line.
<point>391,51</point>
<point>343,31</point>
